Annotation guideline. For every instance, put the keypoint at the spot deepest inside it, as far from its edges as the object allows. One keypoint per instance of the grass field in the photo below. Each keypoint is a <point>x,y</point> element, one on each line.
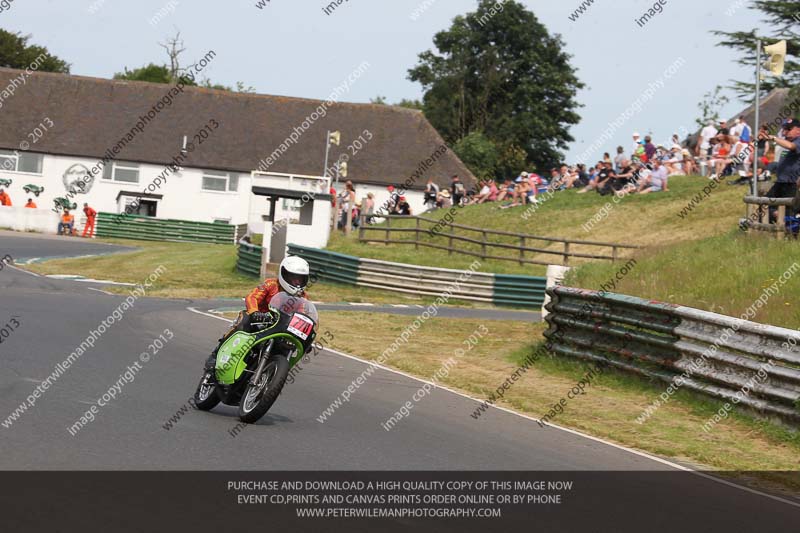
<point>608,408</point>
<point>636,220</point>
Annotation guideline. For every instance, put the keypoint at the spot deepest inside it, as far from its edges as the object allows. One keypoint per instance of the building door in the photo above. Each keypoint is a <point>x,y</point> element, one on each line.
<point>147,208</point>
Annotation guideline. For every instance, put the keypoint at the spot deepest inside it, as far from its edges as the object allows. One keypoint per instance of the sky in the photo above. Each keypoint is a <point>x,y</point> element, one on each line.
<point>295,48</point>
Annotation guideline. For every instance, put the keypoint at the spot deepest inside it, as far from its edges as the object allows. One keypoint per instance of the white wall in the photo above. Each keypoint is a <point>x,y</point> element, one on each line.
<point>23,219</point>
<point>183,197</point>
<point>416,199</point>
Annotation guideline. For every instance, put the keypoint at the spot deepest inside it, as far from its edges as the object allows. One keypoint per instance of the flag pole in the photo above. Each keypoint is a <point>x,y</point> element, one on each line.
<point>756,126</point>
<point>327,152</point>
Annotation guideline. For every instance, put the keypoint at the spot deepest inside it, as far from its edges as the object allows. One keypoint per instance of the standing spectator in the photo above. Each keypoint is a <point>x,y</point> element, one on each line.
<point>706,134</point>
<point>30,204</point>
<point>637,141</point>
<point>788,168</point>
<point>369,207</point>
<point>431,193</point>
<point>391,204</point>
<point>67,223</point>
<point>91,216</point>
<point>649,148</point>
<point>5,199</point>
<point>348,203</point>
<point>607,158</point>
<point>619,158</point>
<point>723,128</point>
<point>457,190</point>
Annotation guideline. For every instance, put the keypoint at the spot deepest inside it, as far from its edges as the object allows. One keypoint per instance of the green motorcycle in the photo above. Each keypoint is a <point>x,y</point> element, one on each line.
<point>251,368</point>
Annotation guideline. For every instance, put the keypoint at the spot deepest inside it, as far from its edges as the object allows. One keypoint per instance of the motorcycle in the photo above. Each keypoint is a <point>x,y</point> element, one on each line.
<point>251,368</point>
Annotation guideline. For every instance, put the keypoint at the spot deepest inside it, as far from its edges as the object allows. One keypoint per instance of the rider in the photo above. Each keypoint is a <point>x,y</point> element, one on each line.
<point>293,275</point>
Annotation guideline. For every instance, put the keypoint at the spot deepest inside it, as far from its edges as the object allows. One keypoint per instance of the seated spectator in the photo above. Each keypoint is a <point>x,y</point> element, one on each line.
<point>484,193</point>
<point>604,179</point>
<point>30,204</point>
<point>674,161</point>
<point>443,200</point>
<point>67,223</point>
<point>592,183</point>
<point>689,165</point>
<point>720,160</point>
<point>403,207</point>
<point>656,181</point>
<point>5,199</point>
<point>457,190</point>
<point>506,191</point>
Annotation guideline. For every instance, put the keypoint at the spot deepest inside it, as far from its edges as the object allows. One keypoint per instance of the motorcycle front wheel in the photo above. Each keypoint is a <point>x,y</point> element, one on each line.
<point>206,397</point>
<point>258,398</point>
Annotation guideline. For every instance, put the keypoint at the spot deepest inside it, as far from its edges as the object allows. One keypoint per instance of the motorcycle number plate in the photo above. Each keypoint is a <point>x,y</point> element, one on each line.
<point>301,325</point>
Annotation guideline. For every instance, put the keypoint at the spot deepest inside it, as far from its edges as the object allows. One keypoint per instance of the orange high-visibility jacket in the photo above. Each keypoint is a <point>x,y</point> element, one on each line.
<point>89,212</point>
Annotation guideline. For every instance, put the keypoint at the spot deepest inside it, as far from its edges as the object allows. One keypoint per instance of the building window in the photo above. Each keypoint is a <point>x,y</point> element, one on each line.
<point>220,182</point>
<point>124,172</point>
<point>20,162</point>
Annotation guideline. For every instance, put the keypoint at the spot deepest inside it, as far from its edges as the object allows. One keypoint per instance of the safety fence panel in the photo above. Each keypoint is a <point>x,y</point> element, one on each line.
<point>157,229</point>
<point>249,259</point>
<point>754,364</point>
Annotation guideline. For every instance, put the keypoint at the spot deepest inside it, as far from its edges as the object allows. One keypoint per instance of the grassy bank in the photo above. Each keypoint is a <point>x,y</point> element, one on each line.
<point>200,271</point>
<point>723,274</point>
<point>638,220</point>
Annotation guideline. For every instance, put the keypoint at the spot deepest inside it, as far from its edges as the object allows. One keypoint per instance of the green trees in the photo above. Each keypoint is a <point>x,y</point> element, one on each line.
<point>15,52</point>
<point>498,72</point>
<point>781,18</point>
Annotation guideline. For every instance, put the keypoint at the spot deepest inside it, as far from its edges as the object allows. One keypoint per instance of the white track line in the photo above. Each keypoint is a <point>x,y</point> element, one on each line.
<point>23,270</point>
<point>100,290</point>
<point>571,431</point>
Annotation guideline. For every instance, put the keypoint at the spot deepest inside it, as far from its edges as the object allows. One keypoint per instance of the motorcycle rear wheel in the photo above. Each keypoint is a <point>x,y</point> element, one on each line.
<point>258,399</point>
<point>206,397</point>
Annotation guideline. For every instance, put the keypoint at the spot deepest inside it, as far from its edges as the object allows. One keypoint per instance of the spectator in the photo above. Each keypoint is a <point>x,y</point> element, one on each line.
<point>723,128</point>
<point>674,161</point>
<point>431,193</point>
<point>91,216</point>
<point>67,223</point>
<point>457,190</point>
<point>30,204</point>
<point>649,148</point>
<point>788,168</point>
<point>719,158</point>
<point>444,201</point>
<point>604,179</point>
<point>594,172</point>
<point>506,191</point>
<point>348,202</point>
<point>5,199</point>
<point>607,158</point>
<point>403,207</point>
<point>656,181</point>
<point>637,141</point>
<point>706,134</point>
<point>619,158</point>
<point>391,204</point>
<point>369,207</point>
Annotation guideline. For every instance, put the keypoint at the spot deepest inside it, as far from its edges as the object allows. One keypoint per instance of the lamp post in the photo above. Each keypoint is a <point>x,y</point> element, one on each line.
<point>332,137</point>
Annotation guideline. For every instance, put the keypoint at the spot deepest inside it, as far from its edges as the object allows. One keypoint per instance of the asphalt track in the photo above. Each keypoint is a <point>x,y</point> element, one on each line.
<point>55,316</point>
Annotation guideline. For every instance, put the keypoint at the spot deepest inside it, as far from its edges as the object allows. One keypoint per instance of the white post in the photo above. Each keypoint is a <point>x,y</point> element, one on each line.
<point>555,276</point>
<point>754,133</point>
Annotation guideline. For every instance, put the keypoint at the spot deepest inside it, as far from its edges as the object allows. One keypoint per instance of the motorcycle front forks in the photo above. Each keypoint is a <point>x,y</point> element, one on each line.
<point>262,363</point>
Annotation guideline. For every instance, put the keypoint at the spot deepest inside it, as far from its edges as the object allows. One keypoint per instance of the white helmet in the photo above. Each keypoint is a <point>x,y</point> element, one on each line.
<point>293,275</point>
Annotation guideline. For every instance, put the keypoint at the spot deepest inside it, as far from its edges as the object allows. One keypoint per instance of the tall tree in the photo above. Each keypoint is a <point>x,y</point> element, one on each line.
<point>15,52</point>
<point>498,71</point>
<point>781,19</point>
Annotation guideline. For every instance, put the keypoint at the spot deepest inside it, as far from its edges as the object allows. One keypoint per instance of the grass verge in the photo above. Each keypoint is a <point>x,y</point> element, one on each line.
<point>608,409</point>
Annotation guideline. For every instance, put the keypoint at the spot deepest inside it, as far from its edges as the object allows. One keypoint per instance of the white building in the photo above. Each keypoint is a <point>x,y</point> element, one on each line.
<point>189,153</point>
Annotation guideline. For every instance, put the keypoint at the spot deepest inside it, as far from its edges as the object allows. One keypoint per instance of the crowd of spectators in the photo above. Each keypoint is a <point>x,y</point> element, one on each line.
<point>644,167</point>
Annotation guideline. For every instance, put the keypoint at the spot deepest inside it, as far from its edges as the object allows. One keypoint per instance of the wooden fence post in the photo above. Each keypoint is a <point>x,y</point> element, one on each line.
<point>521,250</point>
<point>361,225</point>
<point>566,253</point>
<point>450,246</point>
<point>388,227</point>
<point>483,246</point>
<point>416,236</point>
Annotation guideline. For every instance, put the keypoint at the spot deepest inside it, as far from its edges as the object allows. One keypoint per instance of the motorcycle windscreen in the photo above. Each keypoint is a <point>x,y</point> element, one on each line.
<point>231,357</point>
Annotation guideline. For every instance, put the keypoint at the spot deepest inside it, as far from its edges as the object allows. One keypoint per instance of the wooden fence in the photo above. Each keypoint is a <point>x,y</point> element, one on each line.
<point>476,238</point>
<point>758,208</point>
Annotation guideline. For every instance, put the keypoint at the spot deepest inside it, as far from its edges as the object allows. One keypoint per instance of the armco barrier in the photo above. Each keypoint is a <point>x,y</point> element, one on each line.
<point>517,291</point>
<point>158,229</point>
<point>249,259</point>
<point>669,342</point>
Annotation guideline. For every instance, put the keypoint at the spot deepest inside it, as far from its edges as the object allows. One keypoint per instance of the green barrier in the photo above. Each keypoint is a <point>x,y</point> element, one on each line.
<point>507,290</point>
<point>156,229</point>
<point>249,261</point>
